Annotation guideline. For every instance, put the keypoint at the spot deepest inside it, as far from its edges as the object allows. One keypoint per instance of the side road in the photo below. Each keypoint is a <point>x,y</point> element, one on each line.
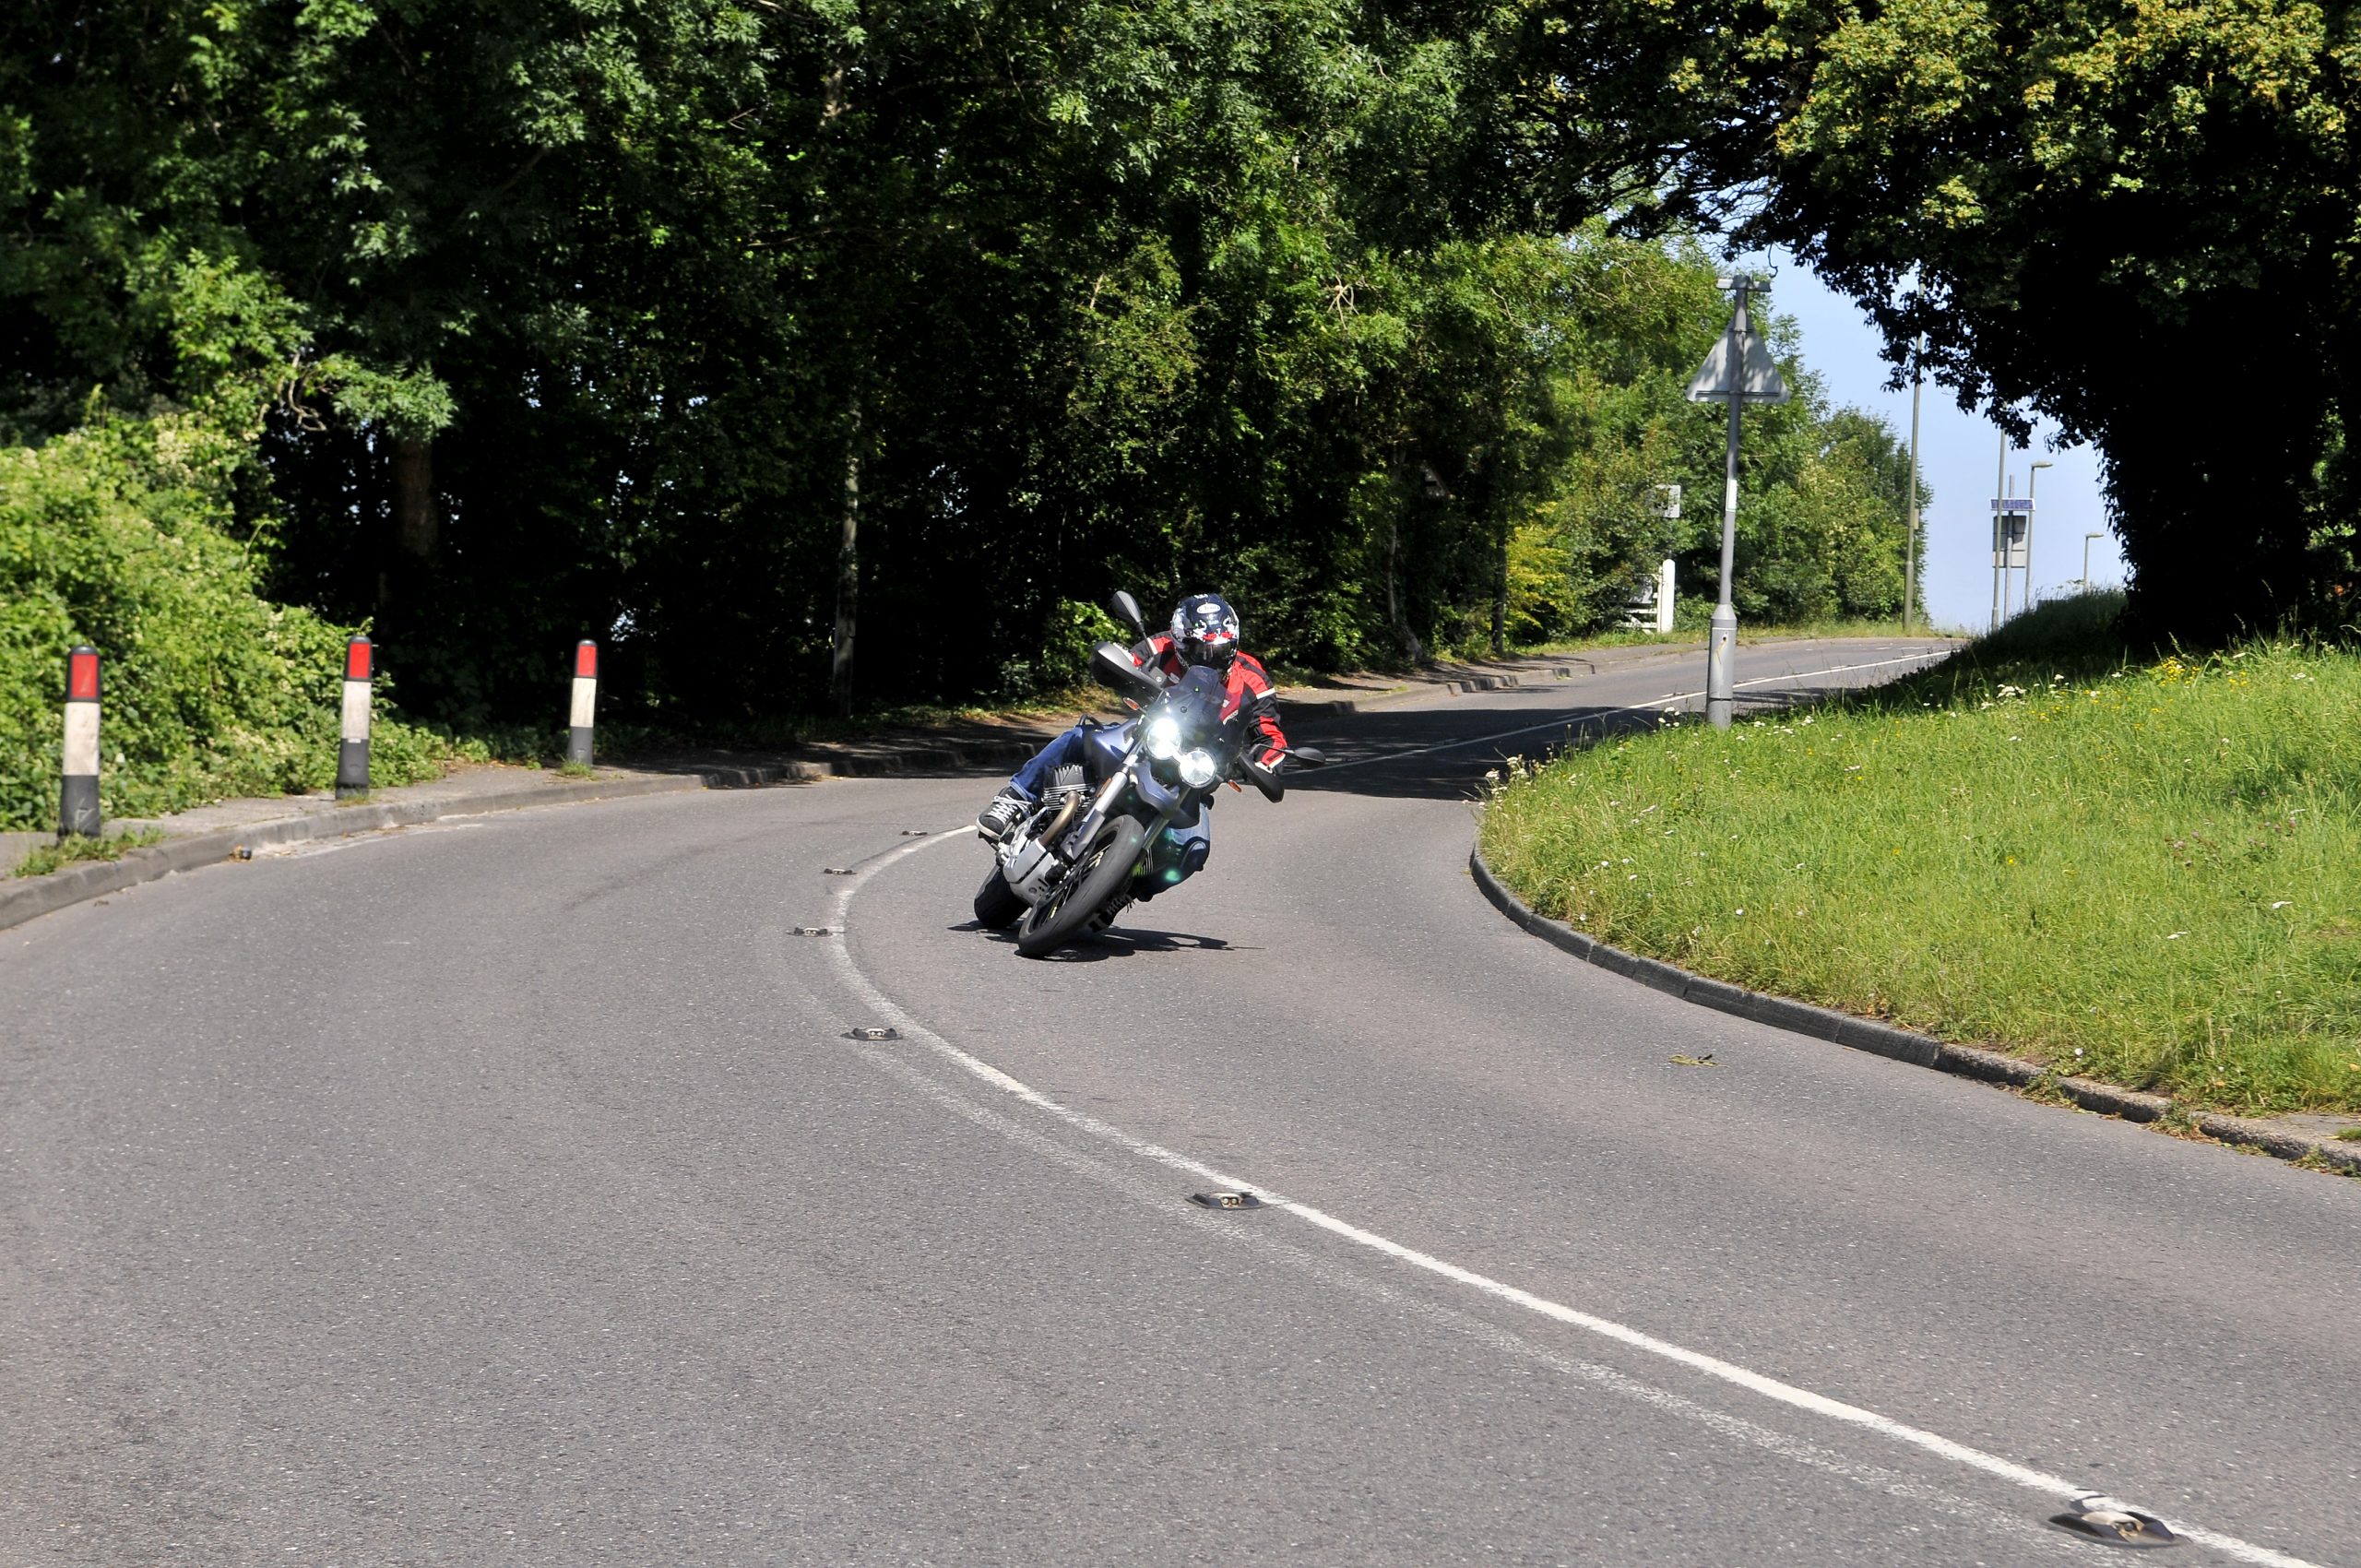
<point>235,829</point>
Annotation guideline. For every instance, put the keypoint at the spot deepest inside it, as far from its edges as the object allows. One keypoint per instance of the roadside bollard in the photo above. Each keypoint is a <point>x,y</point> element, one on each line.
<point>77,797</point>
<point>353,754</point>
<point>586,703</point>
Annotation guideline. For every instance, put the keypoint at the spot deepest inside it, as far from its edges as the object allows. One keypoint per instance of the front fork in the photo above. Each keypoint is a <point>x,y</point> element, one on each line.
<point>1104,802</point>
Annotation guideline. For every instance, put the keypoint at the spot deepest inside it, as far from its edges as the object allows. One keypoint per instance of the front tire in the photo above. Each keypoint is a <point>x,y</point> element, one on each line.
<point>1103,872</point>
<point>997,905</point>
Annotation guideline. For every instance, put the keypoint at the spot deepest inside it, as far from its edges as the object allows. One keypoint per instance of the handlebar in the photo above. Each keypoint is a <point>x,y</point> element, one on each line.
<point>1262,778</point>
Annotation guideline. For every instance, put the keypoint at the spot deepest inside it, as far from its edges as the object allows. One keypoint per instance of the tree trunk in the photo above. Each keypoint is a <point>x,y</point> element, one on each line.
<point>410,549</point>
<point>1411,647</point>
<point>1501,594</point>
<point>848,575</point>
<point>416,527</point>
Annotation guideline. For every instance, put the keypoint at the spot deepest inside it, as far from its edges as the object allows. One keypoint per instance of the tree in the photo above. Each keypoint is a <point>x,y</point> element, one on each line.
<point>2132,221</point>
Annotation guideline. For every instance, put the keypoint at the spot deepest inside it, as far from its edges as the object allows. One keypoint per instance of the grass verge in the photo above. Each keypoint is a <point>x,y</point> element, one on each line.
<point>47,858</point>
<point>2148,873</point>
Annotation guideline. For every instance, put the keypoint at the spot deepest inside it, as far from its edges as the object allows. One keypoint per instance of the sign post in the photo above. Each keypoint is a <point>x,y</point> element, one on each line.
<point>1739,369</point>
<point>2012,548</point>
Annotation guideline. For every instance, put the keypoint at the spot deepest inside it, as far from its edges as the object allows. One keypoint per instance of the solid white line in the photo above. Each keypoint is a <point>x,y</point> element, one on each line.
<point>1595,715</point>
<point>2056,1487</point>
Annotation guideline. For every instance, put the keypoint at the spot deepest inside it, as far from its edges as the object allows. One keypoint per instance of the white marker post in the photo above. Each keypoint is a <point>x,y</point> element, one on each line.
<point>586,703</point>
<point>77,796</point>
<point>353,753</point>
<point>1739,369</point>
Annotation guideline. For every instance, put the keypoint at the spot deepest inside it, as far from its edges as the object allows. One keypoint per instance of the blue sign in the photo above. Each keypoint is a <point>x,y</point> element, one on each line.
<point>2013,503</point>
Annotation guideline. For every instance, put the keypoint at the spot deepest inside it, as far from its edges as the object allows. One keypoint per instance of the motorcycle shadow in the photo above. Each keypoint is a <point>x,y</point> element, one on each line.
<point>1123,941</point>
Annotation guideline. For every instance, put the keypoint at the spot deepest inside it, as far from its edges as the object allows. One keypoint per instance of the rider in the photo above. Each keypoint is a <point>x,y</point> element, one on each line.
<point>1204,633</point>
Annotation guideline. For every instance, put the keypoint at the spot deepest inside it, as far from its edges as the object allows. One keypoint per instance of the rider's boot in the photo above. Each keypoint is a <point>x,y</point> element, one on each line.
<point>1002,813</point>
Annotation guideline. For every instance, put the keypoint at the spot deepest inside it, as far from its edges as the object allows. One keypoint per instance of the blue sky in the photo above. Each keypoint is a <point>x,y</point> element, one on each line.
<point>1959,453</point>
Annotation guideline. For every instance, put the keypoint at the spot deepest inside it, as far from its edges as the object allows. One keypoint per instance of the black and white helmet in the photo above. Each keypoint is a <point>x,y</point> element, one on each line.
<point>1204,631</point>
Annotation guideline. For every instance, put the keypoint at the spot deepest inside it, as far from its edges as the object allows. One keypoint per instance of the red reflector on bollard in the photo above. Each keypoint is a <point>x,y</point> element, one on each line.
<point>82,675</point>
<point>357,666</point>
<point>585,660</point>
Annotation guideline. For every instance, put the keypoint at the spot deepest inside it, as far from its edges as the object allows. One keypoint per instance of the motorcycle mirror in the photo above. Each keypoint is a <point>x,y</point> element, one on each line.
<point>1307,756</point>
<point>1112,665</point>
<point>1127,611</point>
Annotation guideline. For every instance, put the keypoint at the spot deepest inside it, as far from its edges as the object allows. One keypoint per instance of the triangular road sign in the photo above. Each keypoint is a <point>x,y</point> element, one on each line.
<point>1763,384</point>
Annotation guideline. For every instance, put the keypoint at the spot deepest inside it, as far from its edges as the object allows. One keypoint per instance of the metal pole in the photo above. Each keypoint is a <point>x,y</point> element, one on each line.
<point>2033,482</point>
<point>1910,546</point>
<point>2009,554</point>
<point>2000,528</point>
<point>2086,559</point>
<point>1721,687</point>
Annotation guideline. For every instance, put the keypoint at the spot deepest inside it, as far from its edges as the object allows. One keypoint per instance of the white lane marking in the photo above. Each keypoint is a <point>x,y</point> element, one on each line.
<point>1595,715</point>
<point>2055,1487</point>
<point>1783,1444</point>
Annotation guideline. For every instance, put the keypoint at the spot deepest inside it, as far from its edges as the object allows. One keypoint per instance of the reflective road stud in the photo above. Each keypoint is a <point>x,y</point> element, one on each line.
<point>353,754</point>
<point>585,702</point>
<point>78,798</point>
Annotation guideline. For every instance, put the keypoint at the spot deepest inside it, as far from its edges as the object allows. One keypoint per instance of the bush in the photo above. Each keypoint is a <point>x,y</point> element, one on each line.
<point>114,535</point>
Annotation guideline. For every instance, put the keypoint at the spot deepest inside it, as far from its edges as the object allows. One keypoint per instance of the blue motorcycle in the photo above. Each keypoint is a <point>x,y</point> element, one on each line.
<point>1127,823</point>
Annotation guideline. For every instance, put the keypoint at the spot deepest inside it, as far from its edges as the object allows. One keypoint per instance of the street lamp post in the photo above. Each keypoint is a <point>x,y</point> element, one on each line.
<point>1740,369</point>
<point>2086,557</point>
<point>2033,480</point>
<point>1722,637</point>
<point>1999,530</point>
<point>1910,542</point>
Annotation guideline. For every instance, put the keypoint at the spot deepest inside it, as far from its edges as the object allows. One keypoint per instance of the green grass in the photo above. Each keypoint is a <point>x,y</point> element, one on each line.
<point>2147,872</point>
<point>47,858</point>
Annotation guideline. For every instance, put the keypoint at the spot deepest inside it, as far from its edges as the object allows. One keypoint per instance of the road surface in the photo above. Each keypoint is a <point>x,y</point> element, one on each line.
<point>509,1191</point>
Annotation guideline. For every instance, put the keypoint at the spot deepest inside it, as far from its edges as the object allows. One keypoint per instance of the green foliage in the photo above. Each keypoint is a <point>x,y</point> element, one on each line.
<point>113,536</point>
<point>2142,873</point>
<point>518,324</point>
<point>2132,221</point>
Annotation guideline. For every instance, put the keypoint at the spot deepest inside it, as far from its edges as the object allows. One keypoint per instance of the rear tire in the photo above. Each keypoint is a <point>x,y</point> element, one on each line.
<point>997,905</point>
<point>1103,874</point>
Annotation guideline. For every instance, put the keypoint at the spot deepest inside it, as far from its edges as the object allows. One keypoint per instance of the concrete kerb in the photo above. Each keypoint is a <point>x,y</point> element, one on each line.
<point>1902,1045</point>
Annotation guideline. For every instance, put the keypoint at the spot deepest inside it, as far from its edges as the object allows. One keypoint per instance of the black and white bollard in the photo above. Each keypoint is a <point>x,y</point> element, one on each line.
<point>586,703</point>
<point>78,798</point>
<point>353,753</point>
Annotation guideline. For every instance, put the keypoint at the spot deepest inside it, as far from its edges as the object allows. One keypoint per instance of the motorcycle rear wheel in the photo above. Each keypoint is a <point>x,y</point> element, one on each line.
<point>997,905</point>
<point>1103,874</point>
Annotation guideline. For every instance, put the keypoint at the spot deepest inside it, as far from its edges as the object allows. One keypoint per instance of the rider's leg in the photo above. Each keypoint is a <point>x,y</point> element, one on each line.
<point>1066,750</point>
<point>999,813</point>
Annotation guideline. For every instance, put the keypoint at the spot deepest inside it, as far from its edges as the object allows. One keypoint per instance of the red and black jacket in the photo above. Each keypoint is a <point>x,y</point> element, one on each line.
<point>1246,678</point>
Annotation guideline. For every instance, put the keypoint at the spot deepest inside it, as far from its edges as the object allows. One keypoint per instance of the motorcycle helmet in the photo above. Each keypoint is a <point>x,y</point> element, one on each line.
<point>1204,630</point>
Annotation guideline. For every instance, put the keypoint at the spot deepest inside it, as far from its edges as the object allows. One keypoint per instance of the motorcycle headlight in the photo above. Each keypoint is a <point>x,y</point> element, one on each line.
<point>1164,737</point>
<point>1197,770</point>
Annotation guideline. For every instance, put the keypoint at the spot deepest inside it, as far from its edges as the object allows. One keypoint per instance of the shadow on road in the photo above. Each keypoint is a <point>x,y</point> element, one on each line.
<point>1123,941</point>
<point>1443,754</point>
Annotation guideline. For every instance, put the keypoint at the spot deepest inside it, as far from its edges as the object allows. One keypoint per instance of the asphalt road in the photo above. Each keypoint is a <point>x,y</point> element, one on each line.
<point>509,1191</point>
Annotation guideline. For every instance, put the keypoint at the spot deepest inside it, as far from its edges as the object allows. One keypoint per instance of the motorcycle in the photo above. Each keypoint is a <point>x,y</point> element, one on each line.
<point>1102,835</point>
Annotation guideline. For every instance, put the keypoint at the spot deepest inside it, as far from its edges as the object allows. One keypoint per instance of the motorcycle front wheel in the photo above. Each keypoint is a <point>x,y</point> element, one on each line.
<point>1102,873</point>
<point>997,905</point>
